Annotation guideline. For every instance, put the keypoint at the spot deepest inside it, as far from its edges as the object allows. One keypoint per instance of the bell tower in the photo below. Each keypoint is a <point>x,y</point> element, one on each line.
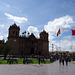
<point>44,35</point>
<point>13,38</point>
<point>45,42</point>
<point>14,31</point>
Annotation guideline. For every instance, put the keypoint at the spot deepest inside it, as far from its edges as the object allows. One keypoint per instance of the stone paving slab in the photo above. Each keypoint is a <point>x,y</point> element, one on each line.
<point>73,62</point>
<point>36,69</point>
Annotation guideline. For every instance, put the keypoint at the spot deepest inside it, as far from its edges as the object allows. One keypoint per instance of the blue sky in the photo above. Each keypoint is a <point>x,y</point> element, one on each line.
<point>37,15</point>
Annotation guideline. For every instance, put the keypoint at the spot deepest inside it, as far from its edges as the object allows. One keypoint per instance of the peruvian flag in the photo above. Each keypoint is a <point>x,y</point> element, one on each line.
<point>73,32</point>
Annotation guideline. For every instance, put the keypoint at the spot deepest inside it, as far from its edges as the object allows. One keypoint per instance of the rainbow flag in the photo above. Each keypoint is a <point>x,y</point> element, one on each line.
<point>58,32</point>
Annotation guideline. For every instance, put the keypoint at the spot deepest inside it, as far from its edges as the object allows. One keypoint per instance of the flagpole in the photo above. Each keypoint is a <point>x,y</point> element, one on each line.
<point>71,40</point>
<point>73,34</point>
<point>71,43</point>
<point>60,44</point>
<point>59,37</point>
<point>50,41</point>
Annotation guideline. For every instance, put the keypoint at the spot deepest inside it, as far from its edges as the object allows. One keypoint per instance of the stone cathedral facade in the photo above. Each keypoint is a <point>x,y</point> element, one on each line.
<point>27,45</point>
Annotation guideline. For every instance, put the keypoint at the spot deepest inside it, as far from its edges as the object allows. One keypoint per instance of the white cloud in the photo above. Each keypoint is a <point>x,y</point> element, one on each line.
<point>2,26</point>
<point>16,19</point>
<point>6,35</point>
<point>66,44</point>
<point>64,23</point>
<point>33,30</point>
<point>67,37</point>
<point>1,37</point>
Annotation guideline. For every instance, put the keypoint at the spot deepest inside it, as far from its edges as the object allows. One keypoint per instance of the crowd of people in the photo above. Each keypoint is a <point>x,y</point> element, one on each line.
<point>63,60</point>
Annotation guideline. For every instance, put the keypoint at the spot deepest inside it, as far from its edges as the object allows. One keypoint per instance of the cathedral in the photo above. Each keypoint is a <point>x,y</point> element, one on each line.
<point>27,45</point>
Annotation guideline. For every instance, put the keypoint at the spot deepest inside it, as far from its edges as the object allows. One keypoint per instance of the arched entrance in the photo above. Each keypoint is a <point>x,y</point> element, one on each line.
<point>32,51</point>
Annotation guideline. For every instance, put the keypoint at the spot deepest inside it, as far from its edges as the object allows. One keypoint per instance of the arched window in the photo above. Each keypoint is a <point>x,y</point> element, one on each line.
<point>13,32</point>
<point>16,32</point>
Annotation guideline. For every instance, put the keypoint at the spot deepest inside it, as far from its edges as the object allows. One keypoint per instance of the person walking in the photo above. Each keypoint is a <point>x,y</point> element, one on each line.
<point>43,60</point>
<point>39,59</point>
<point>66,60</point>
<point>51,59</point>
<point>62,60</point>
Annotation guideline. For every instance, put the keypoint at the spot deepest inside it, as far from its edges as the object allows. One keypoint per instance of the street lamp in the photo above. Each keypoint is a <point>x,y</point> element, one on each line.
<point>52,49</point>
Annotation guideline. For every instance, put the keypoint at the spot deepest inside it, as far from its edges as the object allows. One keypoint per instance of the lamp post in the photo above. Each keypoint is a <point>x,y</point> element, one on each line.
<point>52,49</point>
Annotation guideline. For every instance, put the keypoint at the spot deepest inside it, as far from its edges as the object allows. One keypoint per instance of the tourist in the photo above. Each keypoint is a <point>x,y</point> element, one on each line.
<point>51,59</point>
<point>66,60</point>
<point>24,61</point>
<point>43,59</point>
<point>62,60</point>
<point>39,59</point>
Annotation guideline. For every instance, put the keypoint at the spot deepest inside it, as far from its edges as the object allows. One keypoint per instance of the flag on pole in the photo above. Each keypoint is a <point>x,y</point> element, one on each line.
<point>73,32</point>
<point>58,32</point>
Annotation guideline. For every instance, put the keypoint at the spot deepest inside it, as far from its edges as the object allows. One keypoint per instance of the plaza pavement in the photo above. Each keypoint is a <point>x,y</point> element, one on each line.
<point>36,69</point>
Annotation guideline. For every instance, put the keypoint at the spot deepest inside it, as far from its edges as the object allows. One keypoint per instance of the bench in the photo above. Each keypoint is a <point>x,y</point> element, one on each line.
<point>43,61</point>
<point>12,61</point>
<point>1,61</point>
<point>27,61</point>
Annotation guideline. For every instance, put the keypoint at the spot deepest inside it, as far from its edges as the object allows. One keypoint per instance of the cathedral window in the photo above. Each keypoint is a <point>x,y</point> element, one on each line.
<point>13,32</point>
<point>16,32</point>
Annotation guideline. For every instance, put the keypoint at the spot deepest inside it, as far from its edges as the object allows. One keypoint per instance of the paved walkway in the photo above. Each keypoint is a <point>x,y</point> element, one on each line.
<point>36,69</point>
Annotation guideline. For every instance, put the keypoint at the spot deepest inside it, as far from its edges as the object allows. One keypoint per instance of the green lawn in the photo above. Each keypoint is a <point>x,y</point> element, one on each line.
<point>20,61</point>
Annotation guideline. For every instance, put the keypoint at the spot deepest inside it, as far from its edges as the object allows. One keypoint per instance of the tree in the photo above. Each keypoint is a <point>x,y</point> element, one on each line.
<point>5,49</point>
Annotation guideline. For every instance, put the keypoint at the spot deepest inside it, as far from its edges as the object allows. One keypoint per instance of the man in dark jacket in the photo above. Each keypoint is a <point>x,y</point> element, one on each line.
<point>66,60</point>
